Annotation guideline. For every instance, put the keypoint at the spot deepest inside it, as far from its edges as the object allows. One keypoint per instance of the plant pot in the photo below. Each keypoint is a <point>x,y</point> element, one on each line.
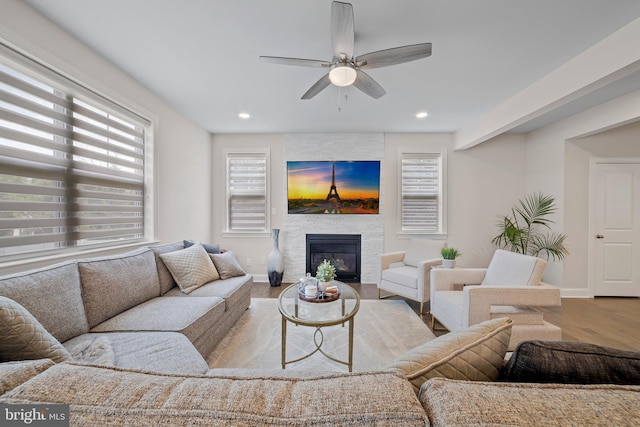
<point>449,263</point>
<point>322,286</point>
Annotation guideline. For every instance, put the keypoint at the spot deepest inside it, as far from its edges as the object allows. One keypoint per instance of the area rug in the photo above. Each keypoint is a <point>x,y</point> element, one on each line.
<point>383,330</point>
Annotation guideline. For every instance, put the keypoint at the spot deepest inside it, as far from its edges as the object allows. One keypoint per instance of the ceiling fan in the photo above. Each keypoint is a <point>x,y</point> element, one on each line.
<point>345,69</point>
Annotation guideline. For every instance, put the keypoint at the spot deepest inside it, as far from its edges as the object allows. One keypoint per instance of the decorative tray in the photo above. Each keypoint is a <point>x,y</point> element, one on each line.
<point>320,297</point>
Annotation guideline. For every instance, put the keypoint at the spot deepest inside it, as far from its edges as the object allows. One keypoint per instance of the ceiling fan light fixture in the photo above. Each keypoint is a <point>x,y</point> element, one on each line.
<point>342,75</point>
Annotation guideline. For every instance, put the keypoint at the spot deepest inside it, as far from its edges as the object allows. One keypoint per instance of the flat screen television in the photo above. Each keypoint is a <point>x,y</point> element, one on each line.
<point>333,187</point>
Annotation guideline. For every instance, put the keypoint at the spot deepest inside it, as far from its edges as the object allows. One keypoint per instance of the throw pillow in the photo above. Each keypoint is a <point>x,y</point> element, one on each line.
<point>571,363</point>
<point>211,249</point>
<point>22,337</point>
<point>513,269</point>
<point>473,354</point>
<point>227,265</point>
<point>190,267</point>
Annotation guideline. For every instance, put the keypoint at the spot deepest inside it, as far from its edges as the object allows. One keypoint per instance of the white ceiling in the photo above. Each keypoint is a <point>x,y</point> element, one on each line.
<point>201,56</point>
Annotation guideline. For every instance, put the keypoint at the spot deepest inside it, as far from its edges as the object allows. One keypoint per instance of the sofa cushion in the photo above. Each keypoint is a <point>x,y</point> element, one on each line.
<point>53,296</point>
<point>473,354</point>
<point>111,285</point>
<point>420,250</point>
<point>234,291</point>
<point>462,403</point>
<point>189,316</point>
<point>22,337</point>
<point>405,275</point>
<point>13,374</point>
<point>227,265</point>
<point>109,396</point>
<point>190,267</point>
<point>167,282</point>
<point>571,363</point>
<point>513,269</point>
<point>163,352</point>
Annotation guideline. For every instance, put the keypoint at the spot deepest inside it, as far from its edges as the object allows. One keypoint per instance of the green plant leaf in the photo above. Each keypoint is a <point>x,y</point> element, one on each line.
<point>528,239</point>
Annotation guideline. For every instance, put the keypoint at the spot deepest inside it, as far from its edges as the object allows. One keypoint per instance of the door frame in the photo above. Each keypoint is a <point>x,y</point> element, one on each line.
<point>593,162</point>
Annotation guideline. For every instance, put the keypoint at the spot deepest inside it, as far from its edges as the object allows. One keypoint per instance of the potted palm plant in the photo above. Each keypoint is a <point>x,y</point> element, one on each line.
<point>523,230</point>
<point>449,256</point>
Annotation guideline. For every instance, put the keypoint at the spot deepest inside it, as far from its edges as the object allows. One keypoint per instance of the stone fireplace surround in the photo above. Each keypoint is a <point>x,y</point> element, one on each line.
<point>367,146</point>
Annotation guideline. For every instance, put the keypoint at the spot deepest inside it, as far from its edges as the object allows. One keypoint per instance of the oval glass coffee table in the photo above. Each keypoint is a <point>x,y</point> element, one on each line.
<point>339,309</point>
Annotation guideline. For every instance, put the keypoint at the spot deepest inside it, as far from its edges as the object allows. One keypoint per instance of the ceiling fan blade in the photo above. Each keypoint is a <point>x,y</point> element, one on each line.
<point>318,87</point>
<point>369,86</point>
<point>295,61</point>
<point>342,29</point>
<point>393,56</point>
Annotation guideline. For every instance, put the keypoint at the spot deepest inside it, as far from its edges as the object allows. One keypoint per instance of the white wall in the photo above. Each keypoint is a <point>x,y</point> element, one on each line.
<point>557,163</point>
<point>255,248</point>
<point>483,183</point>
<point>182,149</point>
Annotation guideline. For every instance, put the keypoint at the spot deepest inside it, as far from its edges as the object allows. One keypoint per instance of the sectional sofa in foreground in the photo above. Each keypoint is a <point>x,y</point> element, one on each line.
<point>122,340</point>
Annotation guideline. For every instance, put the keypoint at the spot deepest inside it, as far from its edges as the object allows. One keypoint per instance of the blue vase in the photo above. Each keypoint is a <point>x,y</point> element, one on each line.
<point>275,262</point>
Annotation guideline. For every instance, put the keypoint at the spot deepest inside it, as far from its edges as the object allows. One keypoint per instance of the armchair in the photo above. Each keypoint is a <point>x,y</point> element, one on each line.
<point>406,273</point>
<point>510,287</point>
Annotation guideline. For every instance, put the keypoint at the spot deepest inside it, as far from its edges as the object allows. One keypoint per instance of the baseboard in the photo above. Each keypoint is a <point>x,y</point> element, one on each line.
<point>260,278</point>
<point>575,293</point>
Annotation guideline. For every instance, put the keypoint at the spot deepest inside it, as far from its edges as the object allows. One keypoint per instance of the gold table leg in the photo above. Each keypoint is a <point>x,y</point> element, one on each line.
<point>284,342</point>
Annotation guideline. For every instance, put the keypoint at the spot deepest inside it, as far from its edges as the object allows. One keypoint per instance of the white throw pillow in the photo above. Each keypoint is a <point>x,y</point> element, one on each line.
<point>191,267</point>
<point>513,269</point>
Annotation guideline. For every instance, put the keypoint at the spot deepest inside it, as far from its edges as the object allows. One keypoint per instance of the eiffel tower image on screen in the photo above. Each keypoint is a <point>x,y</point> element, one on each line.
<point>333,192</point>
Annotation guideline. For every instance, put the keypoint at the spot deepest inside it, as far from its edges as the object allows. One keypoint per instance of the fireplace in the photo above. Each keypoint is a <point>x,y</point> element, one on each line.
<point>343,250</point>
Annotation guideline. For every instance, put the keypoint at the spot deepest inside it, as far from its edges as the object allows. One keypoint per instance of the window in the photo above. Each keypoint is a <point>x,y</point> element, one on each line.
<point>421,189</point>
<point>247,192</point>
<point>71,164</point>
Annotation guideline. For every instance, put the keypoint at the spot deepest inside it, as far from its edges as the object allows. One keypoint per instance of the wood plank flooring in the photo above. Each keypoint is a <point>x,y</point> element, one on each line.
<point>611,322</point>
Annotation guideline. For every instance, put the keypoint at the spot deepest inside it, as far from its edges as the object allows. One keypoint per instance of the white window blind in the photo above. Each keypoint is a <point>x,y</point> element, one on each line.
<point>247,192</point>
<point>421,192</point>
<point>71,164</point>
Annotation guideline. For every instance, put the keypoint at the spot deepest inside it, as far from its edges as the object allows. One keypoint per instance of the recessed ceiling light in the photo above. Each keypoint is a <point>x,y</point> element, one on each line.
<point>244,115</point>
<point>422,114</point>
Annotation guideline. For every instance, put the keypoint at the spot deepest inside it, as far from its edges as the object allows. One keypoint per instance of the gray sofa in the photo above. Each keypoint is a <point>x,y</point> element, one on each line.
<point>127,310</point>
<point>156,336</point>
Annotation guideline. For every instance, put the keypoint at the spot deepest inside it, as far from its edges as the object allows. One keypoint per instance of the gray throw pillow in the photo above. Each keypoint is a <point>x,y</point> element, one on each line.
<point>227,265</point>
<point>22,337</point>
<point>571,363</point>
<point>212,249</point>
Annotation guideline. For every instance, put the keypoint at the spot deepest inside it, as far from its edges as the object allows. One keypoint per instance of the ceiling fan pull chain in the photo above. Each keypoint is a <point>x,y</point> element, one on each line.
<point>339,99</point>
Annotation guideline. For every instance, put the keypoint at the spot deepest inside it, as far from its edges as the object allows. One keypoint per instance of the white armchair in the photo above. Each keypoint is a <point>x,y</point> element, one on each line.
<point>510,287</point>
<point>406,273</point>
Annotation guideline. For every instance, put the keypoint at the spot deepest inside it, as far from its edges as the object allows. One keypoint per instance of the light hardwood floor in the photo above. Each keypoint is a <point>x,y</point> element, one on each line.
<point>611,322</point>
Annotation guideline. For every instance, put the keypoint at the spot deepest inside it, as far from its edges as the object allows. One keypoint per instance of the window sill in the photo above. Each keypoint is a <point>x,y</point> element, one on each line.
<point>246,235</point>
<point>434,236</point>
<point>19,265</point>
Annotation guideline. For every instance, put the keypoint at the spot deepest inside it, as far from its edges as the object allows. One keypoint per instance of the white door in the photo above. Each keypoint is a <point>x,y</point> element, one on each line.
<point>615,228</point>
